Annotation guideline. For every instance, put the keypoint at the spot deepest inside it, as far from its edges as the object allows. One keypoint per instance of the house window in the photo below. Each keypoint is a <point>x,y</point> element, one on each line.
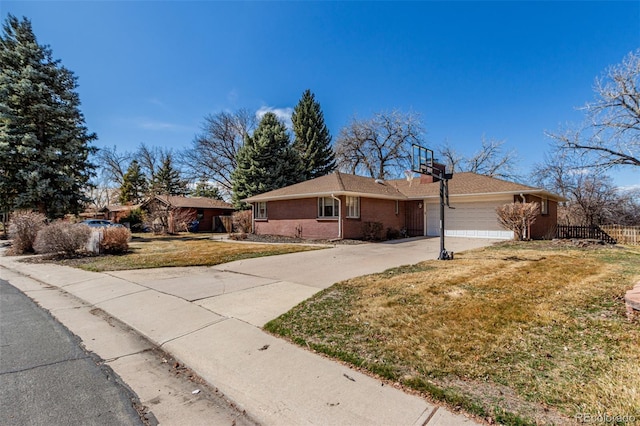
<point>328,207</point>
<point>397,207</point>
<point>261,210</point>
<point>544,205</point>
<point>353,207</point>
<point>200,215</point>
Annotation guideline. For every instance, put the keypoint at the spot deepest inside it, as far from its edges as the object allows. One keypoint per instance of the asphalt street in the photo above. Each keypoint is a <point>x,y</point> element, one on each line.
<point>46,378</point>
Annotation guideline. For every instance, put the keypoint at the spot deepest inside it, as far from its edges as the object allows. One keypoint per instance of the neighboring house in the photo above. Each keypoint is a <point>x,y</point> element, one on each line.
<point>212,215</point>
<point>341,205</point>
<point>115,213</point>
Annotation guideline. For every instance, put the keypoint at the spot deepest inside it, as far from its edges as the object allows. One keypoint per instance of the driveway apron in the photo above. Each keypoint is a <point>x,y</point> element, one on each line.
<point>260,289</point>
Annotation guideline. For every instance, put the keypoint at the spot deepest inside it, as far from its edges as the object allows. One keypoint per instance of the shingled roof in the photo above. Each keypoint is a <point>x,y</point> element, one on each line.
<point>468,184</point>
<point>193,202</point>
<point>335,183</point>
<point>462,184</point>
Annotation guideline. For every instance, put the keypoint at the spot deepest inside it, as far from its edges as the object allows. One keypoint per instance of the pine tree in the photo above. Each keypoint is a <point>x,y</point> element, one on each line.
<point>44,143</point>
<point>134,185</point>
<point>167,180</point>
<point>207,190</point>
<point>266,161</point>
<point>312,138</point>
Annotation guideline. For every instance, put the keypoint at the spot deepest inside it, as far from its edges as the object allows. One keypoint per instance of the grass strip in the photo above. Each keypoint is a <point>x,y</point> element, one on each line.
<point>524,333</point>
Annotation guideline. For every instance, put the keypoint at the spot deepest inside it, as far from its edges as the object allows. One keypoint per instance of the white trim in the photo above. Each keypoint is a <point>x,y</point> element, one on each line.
<point>320,209</point>
<point>486,195</point>
<point>401,197</point>
<point>479,233</point>
<point>257,211</point>
<point>355,206</point>
<point>257,198</point>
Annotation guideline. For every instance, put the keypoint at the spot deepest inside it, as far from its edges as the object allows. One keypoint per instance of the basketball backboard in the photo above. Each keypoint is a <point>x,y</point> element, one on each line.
<point>421,160</point>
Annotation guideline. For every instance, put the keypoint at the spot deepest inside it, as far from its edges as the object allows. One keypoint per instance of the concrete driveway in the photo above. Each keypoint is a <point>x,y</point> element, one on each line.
<point>208,319</point>
<point>259,290</point>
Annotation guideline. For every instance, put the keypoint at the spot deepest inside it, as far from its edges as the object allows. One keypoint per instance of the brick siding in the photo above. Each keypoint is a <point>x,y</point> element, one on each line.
<point>300,218</point>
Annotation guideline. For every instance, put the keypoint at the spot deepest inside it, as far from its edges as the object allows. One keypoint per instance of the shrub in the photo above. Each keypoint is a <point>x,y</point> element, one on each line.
<point>238,237</point>
<point>393,234</point>
<point>115,240</point>
<point>518,217</point>
<point>135,219</point>
<point>242,221</point>
<point>180,219</point>
<point>23,229</point>
<point>371,231</point>
<point>62,237</point>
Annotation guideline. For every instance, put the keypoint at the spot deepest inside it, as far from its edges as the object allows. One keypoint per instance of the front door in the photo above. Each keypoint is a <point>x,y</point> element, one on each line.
<point>414,218</point>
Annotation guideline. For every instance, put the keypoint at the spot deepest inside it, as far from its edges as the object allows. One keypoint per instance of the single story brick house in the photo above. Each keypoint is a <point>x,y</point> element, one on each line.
<point>342,205</point>
<point>116,212</point>
<point>212,215</point>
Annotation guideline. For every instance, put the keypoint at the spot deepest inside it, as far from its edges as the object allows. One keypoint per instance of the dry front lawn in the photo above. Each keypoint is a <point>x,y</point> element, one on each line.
<point>522,333</point>
<point>148,251</point>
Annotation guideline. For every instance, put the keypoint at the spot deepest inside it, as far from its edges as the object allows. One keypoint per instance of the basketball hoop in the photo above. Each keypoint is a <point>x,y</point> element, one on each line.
<point>422,161</point>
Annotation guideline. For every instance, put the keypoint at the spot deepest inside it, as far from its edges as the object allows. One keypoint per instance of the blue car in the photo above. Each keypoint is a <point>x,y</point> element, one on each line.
<point>100,223</point>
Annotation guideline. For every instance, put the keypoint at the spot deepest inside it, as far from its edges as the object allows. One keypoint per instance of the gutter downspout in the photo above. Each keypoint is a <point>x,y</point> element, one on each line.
<point>253,219</point>
<point>527,230</point>
<point>339,215</point>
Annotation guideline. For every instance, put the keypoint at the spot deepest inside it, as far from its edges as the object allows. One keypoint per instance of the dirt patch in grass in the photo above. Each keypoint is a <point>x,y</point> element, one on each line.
<point>148,251</point>
<point>524,333</point>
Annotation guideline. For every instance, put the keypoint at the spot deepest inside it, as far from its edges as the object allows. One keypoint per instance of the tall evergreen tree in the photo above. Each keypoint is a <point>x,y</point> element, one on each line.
<point>134,185</point>
<point>167,181</point>
<point>312,138</point>
<point>266,161</point>
<point>207,190</point>
<point>44,143</point>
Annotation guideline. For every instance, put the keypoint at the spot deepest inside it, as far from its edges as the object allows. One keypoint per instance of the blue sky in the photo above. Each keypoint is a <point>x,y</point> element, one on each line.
<point>149,71</point>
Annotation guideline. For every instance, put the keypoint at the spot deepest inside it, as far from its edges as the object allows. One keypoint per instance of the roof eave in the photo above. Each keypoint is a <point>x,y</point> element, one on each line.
<point>533,191</point>
<point>258,198</point>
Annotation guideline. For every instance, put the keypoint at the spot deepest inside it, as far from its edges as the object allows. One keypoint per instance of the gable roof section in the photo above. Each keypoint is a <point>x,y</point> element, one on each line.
<point>193,202</point>
<point>335,183</point>
<point>462,184</point>
<point>468,184</point>
<point>119,207</point>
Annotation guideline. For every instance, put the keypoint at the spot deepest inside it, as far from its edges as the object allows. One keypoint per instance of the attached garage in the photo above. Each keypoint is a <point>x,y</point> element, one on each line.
<point>402,206</point>
<point>471,219</point>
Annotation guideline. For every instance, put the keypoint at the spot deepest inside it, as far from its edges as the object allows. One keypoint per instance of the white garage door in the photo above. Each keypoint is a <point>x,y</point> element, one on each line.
<point>475,220</point>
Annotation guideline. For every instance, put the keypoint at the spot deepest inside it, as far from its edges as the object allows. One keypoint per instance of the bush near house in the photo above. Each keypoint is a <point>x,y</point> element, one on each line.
<point>371,231</point>
<point>518,217</point>
<point>135,219</point>
<point>115,240</point>
<point>23,229</point>
<point>62,237</point>
<point>242,221</point>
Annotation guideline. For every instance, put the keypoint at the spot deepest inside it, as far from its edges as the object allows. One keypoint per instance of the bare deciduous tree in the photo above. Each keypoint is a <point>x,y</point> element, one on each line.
<point>213,152</point>
<point>380,146</point>
<point>610,135</point>
<point>151,159</point>
<point>490,160</point>
<point>593,198</point>
<point>518,217</point>
<point>113,164</point>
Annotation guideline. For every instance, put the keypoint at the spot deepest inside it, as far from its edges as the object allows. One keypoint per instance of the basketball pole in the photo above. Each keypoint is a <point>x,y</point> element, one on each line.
<point>443,251</point>
<point>422,162</point>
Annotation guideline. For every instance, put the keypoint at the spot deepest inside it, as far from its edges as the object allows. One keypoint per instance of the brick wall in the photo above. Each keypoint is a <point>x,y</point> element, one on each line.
<point>300,218</point>
<point>375,210</point>
<point>296,218</point>
<point>545,224</point>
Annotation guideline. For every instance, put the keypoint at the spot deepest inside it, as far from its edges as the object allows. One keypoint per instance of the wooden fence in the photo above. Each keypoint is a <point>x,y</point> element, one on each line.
<point>584,232</point>
<point>623,234</point>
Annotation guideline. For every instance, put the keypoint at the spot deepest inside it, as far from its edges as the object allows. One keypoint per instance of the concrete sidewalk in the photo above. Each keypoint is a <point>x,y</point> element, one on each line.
<point>209,319</point>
